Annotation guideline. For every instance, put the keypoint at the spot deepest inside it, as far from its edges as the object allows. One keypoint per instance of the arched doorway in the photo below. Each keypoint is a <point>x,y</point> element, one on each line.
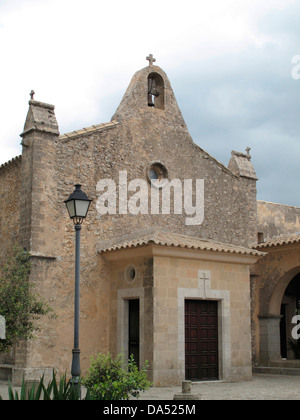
<point>275,316</point>
<point>290,306</point>
<point>275,292</point>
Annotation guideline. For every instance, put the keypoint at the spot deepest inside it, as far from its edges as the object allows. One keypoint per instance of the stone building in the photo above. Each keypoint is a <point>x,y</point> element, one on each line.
<point>171,269</point>
<point>276,288</point>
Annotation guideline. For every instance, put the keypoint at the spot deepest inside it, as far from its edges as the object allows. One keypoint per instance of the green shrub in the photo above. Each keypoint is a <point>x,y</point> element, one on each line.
<point>19,304</point>
<point>108,379</point>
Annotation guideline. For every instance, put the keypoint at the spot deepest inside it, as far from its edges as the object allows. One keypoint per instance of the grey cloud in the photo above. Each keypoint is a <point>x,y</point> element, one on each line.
<point>249,100</point>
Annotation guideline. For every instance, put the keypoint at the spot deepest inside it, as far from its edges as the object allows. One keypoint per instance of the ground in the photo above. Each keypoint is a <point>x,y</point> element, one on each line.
<point>261,387</point>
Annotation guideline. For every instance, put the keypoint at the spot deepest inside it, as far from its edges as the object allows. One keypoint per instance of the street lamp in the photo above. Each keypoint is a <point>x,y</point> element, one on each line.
<point>78,205</point>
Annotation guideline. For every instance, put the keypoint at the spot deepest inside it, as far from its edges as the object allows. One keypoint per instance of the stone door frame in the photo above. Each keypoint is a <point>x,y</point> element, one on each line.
<point>204,292</point>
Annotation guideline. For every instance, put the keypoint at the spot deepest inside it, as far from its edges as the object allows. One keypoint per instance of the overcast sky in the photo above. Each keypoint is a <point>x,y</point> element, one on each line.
<point>232,65</point>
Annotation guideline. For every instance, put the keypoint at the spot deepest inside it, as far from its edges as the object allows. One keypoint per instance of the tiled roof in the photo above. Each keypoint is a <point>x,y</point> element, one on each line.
<point>280,241</point>
<point>89,130</point>
<point>11,162</point>
<point>175,240</point>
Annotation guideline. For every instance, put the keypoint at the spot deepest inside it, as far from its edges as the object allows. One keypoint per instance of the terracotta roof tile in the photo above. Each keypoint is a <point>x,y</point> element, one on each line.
<point>13,161</point>
<point>280,241</point>
<point>88,130</point>
<point>174,240</point>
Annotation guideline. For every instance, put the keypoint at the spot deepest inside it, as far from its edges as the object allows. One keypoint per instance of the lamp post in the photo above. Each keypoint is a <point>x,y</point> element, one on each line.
<point>78,205</point>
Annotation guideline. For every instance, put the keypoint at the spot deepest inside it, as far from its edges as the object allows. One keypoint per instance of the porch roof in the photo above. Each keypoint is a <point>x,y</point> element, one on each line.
<point>154,237</point>
<point>280,241</point>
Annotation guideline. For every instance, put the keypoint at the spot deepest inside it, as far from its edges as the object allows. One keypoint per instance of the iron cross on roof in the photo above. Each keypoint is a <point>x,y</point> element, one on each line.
<point>151,59</point>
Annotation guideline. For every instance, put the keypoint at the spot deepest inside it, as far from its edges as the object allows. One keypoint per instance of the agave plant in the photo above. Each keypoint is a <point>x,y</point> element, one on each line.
<point>62,391</point>
<point>32,394</point>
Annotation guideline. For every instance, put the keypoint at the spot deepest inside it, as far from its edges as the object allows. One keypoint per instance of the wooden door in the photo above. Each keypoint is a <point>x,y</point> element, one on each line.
<point>134,330</point>
<point>201,340</point>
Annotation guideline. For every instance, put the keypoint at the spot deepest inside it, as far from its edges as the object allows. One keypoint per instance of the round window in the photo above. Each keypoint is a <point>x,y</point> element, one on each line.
<point>130,273</point>
<point>153,175</point>
<point>157,174</point>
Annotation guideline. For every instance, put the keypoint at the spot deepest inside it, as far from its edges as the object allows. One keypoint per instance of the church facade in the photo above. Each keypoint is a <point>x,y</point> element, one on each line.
<point>171,268</point>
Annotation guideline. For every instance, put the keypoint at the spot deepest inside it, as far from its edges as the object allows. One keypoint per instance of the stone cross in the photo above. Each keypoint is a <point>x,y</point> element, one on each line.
<point>151,59</point>
<point>2,328</point>
<point>32,93</point>
<point>248,151</point>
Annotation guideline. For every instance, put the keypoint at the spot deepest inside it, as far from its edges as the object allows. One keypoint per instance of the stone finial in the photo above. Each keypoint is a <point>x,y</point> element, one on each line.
<point>186,392</point>
<point>32,93</point>
<point>240,164</point>
<point>151,59</point>
<point>40,117</point>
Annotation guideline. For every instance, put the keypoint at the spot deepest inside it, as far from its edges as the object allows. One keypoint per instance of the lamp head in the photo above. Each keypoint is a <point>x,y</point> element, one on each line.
<point>78,205</point>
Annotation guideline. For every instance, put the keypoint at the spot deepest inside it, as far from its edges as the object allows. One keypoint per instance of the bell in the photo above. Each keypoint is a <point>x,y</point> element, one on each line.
<point>152,92</point>
<point>151,100</point>
<point>151,95</point>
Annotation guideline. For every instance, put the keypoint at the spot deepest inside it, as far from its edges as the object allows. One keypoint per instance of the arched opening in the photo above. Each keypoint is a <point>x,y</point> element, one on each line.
<point>156,94</point>
<point>275,321</point>
<point>279,290</point>
<point>290,306</point>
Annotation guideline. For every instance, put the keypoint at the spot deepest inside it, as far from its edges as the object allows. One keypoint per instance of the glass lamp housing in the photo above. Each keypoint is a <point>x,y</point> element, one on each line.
<point>78,205</point>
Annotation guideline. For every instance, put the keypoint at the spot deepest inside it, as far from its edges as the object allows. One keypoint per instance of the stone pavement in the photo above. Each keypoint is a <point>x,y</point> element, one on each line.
<point>261,387</point>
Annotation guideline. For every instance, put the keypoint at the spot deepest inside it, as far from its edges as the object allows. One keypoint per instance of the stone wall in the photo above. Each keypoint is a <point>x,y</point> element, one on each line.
<point>122,289</point>
<point>229,200</point>
<point>277,219</point>
<point>10,185</point>
<point>180,279</point>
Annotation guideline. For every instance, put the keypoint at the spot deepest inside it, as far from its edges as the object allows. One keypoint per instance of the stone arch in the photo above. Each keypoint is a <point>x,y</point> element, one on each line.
<point>270,318</point>
<point>279,290</point>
